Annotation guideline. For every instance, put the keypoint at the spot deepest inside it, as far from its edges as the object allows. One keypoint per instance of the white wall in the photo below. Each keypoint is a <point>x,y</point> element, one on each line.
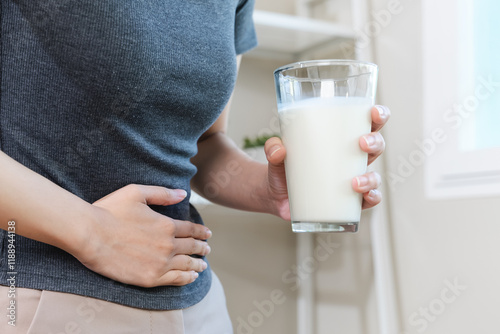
<point>436,243</point>
<point>250,253</point>
<point>253,109</point>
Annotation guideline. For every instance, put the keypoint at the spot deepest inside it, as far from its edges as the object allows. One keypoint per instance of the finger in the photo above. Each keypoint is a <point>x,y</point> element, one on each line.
<point>380,116</point>
<point>275,151</point>
<point>186,229</point>
<point>187,263</point>
<point>155,195</point>
<point>178,277</point>
<point>366,182</point>
<point>373,144</point>
<point>371,198</point>
<point>190,246</point>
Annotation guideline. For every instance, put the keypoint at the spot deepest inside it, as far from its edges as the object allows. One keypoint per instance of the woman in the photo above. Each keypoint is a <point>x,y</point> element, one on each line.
<point>109,110</point>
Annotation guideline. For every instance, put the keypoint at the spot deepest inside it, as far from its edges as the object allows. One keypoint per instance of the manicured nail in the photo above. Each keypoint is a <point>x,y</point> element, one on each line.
<point>362,181</point>
<point>369,140</point>
<point>381,110</point>
<point>274,149</point>
<point>208,232</point>
<point>373,194</point>
<point>180,193</point>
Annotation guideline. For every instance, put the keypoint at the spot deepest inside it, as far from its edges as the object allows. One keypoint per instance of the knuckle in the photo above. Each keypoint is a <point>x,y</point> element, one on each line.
<point>177,278</point>
<point>202,265</point>
<point>169,247</point>
<point>197,231</point>
<point>133,190</point>
<point>170,227</point>
<point>193,229</point>
<point>189,263</point>
<point>203,232</point>
<point>201,248</point>
<point>195,247</point>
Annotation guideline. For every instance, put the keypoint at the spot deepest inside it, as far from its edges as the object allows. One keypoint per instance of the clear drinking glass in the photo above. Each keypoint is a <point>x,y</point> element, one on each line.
<point>324,109</point>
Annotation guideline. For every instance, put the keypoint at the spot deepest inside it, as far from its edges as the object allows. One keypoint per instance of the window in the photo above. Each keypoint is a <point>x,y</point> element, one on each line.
<point>461,77</point>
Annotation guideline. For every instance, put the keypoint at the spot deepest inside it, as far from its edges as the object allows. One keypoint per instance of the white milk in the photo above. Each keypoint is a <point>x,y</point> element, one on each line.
<point>321,136</point>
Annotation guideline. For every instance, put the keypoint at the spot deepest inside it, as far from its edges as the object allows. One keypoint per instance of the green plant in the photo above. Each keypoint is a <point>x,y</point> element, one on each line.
<point>256,142</point>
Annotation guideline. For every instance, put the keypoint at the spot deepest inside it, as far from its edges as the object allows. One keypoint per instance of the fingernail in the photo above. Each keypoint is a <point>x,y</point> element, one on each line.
<point>204,265</point>
<point>208,232</point>
<point>195,274</point>
<point>362,181</point>
<point>369,140</point>
<point>373,194</point>
<point>274,149</point>
<point>180,193</point>
<point>208,249</point>
<point>381,111</point>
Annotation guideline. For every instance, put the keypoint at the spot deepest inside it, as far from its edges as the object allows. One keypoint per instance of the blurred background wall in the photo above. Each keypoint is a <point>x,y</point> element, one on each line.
<point>443,257</point>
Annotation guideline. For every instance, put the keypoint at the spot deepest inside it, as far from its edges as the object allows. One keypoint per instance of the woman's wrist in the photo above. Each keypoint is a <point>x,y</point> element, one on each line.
<point>76,238</point>
<point>262,194</point>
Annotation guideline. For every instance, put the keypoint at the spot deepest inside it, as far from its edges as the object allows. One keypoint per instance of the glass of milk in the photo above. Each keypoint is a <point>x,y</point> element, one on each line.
<point>324,109</point>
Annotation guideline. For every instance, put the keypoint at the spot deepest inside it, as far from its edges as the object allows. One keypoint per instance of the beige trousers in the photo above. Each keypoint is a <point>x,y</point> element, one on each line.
<point>48,312</point>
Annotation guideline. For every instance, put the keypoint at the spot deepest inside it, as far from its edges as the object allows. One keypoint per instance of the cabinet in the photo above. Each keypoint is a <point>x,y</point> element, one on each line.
<point>288,37</point>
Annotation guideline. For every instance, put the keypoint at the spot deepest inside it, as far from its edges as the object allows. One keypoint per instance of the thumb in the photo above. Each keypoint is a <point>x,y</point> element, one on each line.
<point>155,195</point>
<point>275,151</point>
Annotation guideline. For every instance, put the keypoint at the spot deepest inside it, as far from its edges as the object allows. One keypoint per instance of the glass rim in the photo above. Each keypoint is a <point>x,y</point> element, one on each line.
<point>323,62</point>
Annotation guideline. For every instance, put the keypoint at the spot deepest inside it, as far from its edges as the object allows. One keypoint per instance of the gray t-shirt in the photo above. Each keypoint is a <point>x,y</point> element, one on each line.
<point>96,95</point>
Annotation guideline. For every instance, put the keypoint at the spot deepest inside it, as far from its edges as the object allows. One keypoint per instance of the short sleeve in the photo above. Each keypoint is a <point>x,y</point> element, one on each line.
<point>245,37</point>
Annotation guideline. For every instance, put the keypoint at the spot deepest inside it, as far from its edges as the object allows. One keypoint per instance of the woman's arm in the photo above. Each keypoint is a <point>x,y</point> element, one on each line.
<point>227,176</point>
<point>118,236</point>
<point>28,199</point>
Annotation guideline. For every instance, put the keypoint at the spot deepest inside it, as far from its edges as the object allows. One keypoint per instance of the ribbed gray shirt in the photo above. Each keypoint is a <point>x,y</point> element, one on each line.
<point>96,95</point>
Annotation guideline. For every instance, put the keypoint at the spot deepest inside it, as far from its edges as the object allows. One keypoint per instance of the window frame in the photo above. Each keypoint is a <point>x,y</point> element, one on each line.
<point>449,97</point>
